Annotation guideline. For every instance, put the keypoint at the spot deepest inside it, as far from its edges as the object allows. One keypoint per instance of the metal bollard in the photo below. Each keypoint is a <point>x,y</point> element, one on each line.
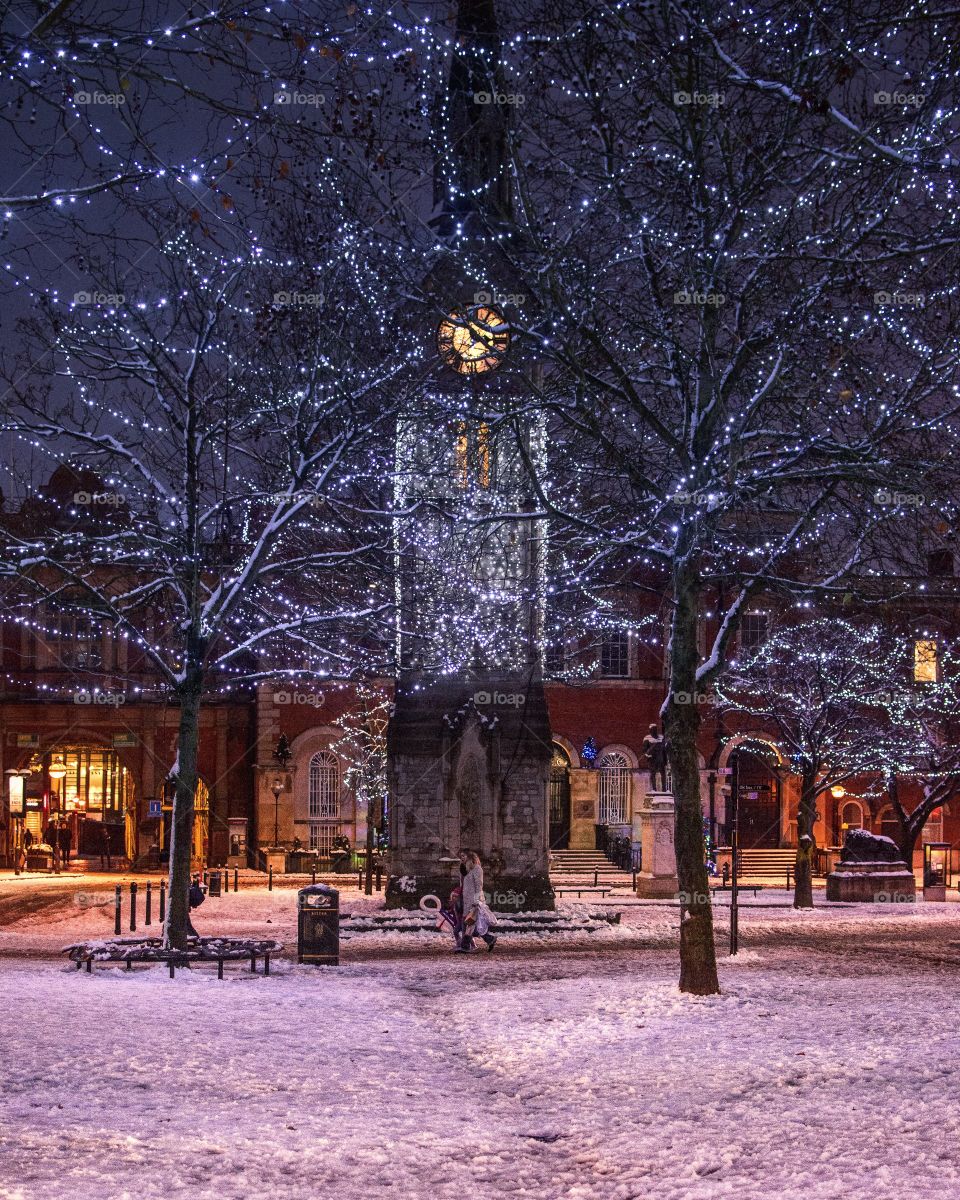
<point>595,875</point>
<point>226,881</point>
<point>163,900</point>
<point>117,900</point>
<point>313,875</point>
<point>379,877</point>
<point>270,878</point>
<point>148,915</point>
<point>204,879</point>
<point>133,907</point>
<point>236,879</point>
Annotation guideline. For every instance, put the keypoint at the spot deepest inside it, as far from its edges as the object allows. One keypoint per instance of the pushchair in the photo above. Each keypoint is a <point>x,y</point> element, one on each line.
<point>449,916</point>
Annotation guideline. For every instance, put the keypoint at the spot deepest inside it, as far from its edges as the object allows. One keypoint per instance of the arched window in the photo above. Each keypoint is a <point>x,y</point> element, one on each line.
<point>323,800</point>
<point>851,816</point>
<point>614,788</point>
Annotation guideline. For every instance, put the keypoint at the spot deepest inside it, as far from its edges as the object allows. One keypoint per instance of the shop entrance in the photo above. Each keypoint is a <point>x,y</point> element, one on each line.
<point>88,789</point>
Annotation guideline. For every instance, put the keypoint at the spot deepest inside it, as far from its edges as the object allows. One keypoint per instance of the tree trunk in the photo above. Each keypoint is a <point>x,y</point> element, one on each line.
<point>175,930</point>
<point>806,846</point>
<point>698,962</point>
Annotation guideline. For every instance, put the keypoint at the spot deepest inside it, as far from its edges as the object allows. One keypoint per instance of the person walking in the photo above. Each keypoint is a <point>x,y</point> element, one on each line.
<point>64,841</point>
<point>50,837</point>
<point>477,917</point>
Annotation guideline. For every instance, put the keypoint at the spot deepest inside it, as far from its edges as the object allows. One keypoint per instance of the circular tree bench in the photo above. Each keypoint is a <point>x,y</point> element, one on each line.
<point>151,950</point>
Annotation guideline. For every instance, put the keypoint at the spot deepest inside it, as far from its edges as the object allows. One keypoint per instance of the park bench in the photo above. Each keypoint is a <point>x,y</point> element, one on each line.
<point>151,950</point>
<point>590,891</point>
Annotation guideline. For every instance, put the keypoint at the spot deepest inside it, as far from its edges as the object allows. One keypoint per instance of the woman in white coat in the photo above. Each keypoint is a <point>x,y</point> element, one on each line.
<point>477,918</point>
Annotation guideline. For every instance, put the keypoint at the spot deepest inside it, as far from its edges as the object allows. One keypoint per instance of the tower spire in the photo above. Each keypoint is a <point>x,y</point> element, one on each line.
<point>471,178</point>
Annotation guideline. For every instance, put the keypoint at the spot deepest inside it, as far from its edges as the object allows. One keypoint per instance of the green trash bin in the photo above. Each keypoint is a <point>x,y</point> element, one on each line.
<point>318,925</point>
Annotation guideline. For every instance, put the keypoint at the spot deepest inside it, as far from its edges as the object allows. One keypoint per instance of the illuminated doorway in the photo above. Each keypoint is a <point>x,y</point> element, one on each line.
<point>93,792</point>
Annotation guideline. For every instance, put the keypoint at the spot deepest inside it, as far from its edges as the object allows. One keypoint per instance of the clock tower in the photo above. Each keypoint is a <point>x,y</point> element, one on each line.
<point>469,744</point>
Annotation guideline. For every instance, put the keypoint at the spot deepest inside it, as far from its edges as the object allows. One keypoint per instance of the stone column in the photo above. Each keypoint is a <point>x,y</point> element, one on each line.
<point>658,876</point>
<point>583,809</point>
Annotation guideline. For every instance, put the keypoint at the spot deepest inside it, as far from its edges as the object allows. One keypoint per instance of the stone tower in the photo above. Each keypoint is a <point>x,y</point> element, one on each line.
<point>469,744</point>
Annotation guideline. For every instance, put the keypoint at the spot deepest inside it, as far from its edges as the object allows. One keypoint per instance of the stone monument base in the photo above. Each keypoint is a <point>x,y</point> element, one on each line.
<point>657,887</point>
<point>505,893</point>
<point>657,879</point>
<point>872,882</point>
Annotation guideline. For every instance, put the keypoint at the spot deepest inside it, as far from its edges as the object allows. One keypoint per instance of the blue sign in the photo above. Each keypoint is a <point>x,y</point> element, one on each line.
<point>154,808</point>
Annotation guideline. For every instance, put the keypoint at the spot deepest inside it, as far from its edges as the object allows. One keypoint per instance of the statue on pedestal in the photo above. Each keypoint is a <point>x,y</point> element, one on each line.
<point>655,752</point>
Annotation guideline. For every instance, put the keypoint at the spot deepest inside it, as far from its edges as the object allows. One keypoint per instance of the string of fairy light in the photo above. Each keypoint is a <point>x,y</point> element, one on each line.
<point>459,625</point>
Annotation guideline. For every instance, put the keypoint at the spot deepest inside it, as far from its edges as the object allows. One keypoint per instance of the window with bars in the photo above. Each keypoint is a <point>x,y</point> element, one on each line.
<point>322,836</point>
<point>79,642</point>
<point>323,797</point>
<point>615,655</point>
<point>614,788</point>
<point>754,630</point>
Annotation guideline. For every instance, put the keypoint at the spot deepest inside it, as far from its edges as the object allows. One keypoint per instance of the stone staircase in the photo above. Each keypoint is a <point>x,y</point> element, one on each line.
<point>570,867</point>
<point>767,864</point>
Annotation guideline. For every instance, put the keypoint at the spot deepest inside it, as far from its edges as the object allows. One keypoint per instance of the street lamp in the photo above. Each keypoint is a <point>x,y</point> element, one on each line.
<point>276,789</point>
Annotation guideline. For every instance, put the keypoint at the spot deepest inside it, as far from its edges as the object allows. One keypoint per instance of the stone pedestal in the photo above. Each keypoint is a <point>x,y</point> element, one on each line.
<point>880,882</point>
<point>583,809</point>
<point>658,877</point>
<point>935,891</point>
<point>276,857</point>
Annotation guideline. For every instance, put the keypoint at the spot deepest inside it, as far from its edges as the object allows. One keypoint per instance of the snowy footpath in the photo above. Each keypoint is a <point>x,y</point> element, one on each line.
<point>828,1068</point>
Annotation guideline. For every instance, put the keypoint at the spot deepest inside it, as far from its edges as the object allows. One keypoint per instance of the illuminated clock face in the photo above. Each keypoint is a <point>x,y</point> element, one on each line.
<point>473,340</point>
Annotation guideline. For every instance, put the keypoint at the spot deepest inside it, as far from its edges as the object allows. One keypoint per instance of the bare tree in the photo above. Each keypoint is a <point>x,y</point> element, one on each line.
<point>245,453</point>
<point>735,268</point>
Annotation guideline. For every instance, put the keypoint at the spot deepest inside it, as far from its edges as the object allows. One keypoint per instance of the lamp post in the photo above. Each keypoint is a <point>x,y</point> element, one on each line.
<point>277,788</point>
<point>57,772</point>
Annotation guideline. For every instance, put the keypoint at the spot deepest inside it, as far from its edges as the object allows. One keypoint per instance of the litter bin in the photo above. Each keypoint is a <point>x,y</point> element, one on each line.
<point>213,883</point>
<point>318,925</point>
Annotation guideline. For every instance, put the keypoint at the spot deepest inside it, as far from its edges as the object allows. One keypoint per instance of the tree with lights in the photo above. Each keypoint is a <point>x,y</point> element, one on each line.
<point>363,743</point>
<point>921,743</point>
<point>734,265</point>
<point>246,454</point>
<point>821,686</point>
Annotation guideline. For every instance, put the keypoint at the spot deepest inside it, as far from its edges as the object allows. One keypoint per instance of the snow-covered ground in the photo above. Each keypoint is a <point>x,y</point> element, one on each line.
<point>556,1067</point>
